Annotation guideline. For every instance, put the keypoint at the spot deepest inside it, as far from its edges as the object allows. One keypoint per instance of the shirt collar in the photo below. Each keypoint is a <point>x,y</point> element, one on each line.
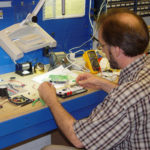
<point>127,73</point>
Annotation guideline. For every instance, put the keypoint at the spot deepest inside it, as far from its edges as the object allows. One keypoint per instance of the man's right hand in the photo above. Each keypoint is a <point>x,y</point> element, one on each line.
<point>88,80</point>
<point>91,81</point>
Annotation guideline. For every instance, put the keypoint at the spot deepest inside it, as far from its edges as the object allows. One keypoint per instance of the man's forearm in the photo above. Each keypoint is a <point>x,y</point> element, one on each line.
<point>65,122</point>
<point>107,85</point>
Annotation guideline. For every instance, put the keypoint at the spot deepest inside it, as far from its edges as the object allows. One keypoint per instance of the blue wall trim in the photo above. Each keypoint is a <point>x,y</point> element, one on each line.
<point>33,124</point>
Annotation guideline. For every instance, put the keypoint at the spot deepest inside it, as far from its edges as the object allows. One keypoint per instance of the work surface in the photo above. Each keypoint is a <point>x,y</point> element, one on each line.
<point>10,110</point>
<point>28,90</point>
<point>21,123</point>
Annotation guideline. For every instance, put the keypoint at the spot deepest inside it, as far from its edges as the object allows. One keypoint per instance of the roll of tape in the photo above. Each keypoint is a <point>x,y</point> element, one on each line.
<point>39,68</point>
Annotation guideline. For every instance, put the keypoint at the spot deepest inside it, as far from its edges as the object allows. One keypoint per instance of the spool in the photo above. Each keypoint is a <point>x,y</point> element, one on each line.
<point>3,91</point>
<point>39,68</point>
<point>24,68</point>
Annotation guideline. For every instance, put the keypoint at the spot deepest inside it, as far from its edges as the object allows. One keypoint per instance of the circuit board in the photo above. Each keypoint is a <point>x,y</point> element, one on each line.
<point>20,100</point>
<point>70,91</point>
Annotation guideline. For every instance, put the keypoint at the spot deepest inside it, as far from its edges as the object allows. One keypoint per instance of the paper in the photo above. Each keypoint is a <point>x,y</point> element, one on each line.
<point>5,4</point>
<point>73,8</point>
<point>58,71</point>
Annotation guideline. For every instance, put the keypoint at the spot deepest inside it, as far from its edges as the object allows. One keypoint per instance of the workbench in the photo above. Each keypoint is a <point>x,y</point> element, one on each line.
<point>18,123</point>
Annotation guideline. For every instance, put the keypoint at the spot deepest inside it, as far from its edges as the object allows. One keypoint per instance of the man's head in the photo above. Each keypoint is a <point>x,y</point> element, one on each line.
<point>123,29</point>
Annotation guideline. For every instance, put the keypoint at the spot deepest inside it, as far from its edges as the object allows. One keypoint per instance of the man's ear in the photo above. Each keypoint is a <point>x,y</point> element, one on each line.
<point>118,51</point>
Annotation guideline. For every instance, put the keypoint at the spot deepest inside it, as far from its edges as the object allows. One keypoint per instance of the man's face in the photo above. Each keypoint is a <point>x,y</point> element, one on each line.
<point>112,61</point>
<point>108,52</point>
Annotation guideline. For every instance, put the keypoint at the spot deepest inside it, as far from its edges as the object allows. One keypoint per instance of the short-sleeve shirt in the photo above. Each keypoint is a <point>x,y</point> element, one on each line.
<point>122,120</point>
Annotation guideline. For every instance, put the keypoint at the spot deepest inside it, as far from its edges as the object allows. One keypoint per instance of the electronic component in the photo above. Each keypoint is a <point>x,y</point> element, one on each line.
<point>58,79</point>
<point>24,68</point>
<point>20,100</point>
<point>12,78</point>
<point>56,59</point>
<point>39,68</point>
<point>91,60</point>
<point>3,91</point>
<point>141,7</point>
<point>12,89</point>
<point>71,91</point>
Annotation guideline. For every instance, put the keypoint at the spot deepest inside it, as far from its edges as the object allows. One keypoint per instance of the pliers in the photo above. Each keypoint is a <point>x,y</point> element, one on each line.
<point>38,99</point>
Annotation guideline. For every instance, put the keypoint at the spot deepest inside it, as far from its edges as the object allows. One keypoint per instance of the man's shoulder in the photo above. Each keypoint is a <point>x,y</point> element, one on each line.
<point>131,92</point>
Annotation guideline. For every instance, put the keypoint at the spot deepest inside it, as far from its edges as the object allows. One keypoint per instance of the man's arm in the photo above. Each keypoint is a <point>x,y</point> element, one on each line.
<point>63,119</point>
<point>106,85</point>
<point>65,122</point>
<point>91,81</point>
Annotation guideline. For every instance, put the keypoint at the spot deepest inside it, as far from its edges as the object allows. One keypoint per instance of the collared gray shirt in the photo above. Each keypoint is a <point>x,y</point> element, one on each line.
<point>122,120</point>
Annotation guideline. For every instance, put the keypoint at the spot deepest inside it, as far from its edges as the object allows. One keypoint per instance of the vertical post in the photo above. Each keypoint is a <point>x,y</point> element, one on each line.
<point>63,7</point>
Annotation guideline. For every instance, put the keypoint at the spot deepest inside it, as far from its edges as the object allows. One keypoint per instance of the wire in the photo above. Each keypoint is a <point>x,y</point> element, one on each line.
<point>107,5</point>
<point>74,62</point>
<point>101,7</point>
<point>77,47</point>
<point>94,32</point>
<point>83,68</point>
<point>14,61</point>
<point>90,14</point>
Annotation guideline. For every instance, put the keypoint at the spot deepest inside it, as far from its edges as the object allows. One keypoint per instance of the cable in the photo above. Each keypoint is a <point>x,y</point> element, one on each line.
<point>67,56</point>
<point>83,68</point>
<point>77,47</point>
<point>70,50</point>
<point>14,61</point>
<point>90,6</point>
<point>101,7</point>
<point>94,31</point>
<point>74,62</point>
<point>107,5</point>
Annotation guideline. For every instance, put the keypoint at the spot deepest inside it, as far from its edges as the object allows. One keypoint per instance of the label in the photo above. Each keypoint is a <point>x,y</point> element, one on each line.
<point>1,14</point>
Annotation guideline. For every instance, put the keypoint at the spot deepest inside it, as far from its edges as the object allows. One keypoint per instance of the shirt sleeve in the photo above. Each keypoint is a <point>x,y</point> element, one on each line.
<point>107,126</point>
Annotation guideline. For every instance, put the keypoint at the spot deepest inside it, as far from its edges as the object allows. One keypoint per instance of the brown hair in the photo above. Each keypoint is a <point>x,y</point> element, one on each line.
<point>131,36</point>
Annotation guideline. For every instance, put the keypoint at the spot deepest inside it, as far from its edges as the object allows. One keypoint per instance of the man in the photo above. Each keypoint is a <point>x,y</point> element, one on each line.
<point>122,120</point>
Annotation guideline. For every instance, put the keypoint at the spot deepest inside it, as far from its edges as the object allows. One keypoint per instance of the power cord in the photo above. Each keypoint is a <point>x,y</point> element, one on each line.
<point>74,62</point>
<point>77,47</point>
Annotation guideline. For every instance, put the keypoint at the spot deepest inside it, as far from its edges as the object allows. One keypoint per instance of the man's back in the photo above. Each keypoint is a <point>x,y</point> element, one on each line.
<point>136,103</point>
<point>122,121</point>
